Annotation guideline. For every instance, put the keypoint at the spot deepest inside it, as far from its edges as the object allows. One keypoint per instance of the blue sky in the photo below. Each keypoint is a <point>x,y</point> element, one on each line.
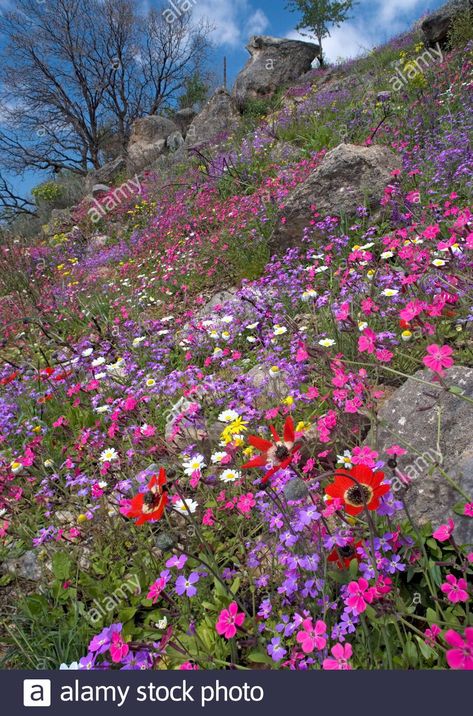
<point>373,22</point>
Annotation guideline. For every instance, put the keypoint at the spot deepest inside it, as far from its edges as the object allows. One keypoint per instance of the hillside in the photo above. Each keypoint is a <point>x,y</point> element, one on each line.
<point>236,396</point>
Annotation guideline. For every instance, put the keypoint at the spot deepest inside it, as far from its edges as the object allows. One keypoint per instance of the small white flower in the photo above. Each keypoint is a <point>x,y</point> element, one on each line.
<point>389,292</point>
<point>228,416</point>
<point>162,623</point>
<point>138,341</point>
<point>195,464</point>
<point>217,457</point>
<point>253,326</point>
<point>274,371</point>
<point>98,361</point>
<point>99,376</point>
<point>309,294</point>
<point>439,262</point>
<point>251,339</point>
<point>362,325</point>
<point>102,409</point>
<point>387,254</point>
<point>87,352</point>
<point>230,475</point>
<point>150,382</point>
<point>345,459</point>
<point>327,342</point>
<point>279,330</point>
<point>109,455</point>
<point>16,467</point>
<point>185,506</point>
<point>48,463</point>
<point>73,667</point>
<point>227,319</point>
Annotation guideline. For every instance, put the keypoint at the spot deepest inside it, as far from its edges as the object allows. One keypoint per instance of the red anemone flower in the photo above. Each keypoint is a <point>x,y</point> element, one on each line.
<point>149,506</point>
<point>358,488</point>
<point>277,454</point>
<point>343,556</point>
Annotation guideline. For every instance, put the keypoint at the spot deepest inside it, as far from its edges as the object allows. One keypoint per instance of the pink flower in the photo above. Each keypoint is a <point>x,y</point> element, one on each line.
<point>432,634</point>
<point>341,654</point>
<point>367,341</point>
<point>364,456</point>
<point>118,648</point>
<point>396,450</point>
<point>444,532</point>
<point>360,595</point>
<point>468,509</point>
<point>312,637</point>
<point>246,503</point>
<point>461,656</point>
<point>455,589</point>
<point>228,621</point>
<point>438,358</point>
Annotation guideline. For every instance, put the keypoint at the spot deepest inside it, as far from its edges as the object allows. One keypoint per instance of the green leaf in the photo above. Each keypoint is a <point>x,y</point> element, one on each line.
<point>425,649</point>
<point>431,616</point>
<point>126,614</point>
<point>61,563</point>
<point>235,586</point>
<point>258,657</point>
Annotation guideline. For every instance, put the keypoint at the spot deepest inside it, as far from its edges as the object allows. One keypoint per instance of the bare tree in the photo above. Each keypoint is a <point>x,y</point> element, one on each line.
<point>13,205</point>
<point>75,72</point>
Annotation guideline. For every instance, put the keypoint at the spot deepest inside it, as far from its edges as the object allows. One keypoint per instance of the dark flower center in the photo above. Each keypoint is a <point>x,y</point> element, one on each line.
<point>347,551</point>
<point>358,495</point>
<point>150,499</point>
<point>282,453</point>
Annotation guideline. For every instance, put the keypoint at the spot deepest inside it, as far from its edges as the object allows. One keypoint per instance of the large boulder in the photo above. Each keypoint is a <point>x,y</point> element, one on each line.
<point>108,174</point>
<point>348,177</point>
<point>148,141</point>
<point>436,27</point>
<point>218,117</point>
<point>437,425</point>
<point>274,62</point>
<point>184,118</point>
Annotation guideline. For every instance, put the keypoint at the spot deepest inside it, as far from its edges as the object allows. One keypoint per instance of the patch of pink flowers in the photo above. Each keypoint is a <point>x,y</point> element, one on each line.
<point>229,620</point>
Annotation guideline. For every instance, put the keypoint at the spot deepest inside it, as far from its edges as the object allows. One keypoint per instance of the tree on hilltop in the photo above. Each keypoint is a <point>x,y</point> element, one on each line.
<point>319,15</point>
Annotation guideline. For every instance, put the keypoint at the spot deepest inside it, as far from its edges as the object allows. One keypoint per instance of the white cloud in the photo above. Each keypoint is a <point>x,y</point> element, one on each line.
<point>380,21</point>
<point>233,20</point>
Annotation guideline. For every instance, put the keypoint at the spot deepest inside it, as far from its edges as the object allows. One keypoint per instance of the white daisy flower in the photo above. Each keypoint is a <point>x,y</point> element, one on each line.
<point>87,352</point>
<point>326,342</point>
<point>389,292</point>
<point>109,455</point>
<point>195,464</point>
<point>217,457</point>
<point>228,416</point>
<point>279,330</point>
<point>185,506</point>
<point>230,476</point>
<point>98,361</point>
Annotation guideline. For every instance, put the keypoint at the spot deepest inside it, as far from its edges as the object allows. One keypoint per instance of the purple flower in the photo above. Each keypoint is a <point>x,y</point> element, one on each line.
<point>265,609</point>
<point>185,585</point>
<point>176,561</point>
<point>101,642</point>
<point>275,650</point>
<point>87,662</point>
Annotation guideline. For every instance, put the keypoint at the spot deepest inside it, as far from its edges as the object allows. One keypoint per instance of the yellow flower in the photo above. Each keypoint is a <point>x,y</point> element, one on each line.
<point>289,400</point>
<point>81,518</point>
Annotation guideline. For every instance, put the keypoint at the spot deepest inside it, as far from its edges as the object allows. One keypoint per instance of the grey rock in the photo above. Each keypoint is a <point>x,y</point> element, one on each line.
<point>148,141</point>
<point>26,566</point>
<point>184,118</point>
<point>274,62</point>
<point>174,141</point>
<point>99,189</point>
<point>220,115</point>
<point>436,27</point>
<point>413,413</point>
<point>106,174</point>
<point>348,177</point>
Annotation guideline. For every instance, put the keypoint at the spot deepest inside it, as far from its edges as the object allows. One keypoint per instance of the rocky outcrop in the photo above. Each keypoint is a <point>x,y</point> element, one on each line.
<point>274,63</point>
<point>436,27</point>
<point>107,174</point>
<point>148,141</point>
<point>415,415</point>
<point>184,118</point>
<point>348,177</point>
<point>219,116</point>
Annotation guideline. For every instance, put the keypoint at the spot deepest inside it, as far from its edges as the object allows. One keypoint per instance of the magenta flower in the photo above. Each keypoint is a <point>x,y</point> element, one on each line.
<point>228,621</point>
<point>461,656</point>
<point>468,510</point>
<point>118,648</point>
<point>444,532</point>
<point>341,653</point>
<point>455,589</point>
<point>432,634</point>
<point>312,637</point>
<point>360,595</point>
<point>438,358</point>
